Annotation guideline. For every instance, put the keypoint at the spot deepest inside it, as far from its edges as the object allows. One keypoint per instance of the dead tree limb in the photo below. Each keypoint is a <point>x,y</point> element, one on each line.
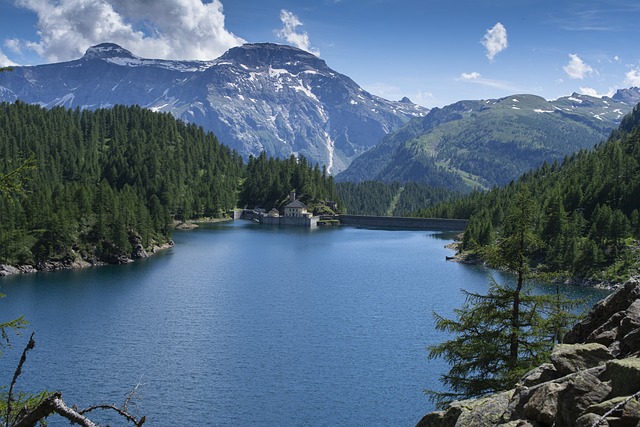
<point>16,374</point>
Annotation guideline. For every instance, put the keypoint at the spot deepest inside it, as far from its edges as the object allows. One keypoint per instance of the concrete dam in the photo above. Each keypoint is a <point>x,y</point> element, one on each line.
<point>439,224</point>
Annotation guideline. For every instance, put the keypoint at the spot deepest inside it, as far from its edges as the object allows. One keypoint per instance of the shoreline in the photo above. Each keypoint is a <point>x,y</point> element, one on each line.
<point>77,262</point>
<point>194,223</point>
<point>473,259</point>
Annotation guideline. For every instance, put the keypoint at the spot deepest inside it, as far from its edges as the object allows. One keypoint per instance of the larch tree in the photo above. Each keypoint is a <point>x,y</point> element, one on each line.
<point>500,335</point>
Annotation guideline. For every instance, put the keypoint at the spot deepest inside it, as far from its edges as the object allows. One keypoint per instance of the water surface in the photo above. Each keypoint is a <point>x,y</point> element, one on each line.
<point>241,324</point>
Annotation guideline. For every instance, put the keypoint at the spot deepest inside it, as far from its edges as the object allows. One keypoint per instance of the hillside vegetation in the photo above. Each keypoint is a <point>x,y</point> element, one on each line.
<point>102,184</point>
<point>484,143</point>
<point>587,209</point>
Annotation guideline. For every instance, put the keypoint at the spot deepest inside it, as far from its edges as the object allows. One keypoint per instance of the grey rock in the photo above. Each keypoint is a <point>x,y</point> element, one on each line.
<point>569,358</point>
<point>539,375</point>
<point>582,391</point>
<point>625,376</point>
<point>543,403</point>
<point>603,311</point>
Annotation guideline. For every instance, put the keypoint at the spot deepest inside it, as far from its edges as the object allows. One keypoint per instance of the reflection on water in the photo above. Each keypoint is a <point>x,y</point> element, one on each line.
<point>245,324</point>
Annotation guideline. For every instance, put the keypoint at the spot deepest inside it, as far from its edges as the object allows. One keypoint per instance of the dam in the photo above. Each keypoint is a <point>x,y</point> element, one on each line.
<point>439,224</point>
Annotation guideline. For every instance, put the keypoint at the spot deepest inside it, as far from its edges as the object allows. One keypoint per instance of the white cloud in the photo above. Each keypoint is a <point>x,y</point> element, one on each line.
<point>576,68</point>
<point>495,40</point>
<point>632,77</point>
<point>593,92</point>
<point>5,62</point>
<point>172,29</point>
<point>289,32</point>
<point>470,76</point>
<point>616,58</point>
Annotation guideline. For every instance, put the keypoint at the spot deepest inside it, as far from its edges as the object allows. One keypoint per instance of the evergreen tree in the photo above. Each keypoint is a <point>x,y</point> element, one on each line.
<point>500,335</point>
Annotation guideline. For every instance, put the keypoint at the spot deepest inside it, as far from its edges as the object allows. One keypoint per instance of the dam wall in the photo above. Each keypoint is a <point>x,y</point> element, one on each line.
<point>403,223</point>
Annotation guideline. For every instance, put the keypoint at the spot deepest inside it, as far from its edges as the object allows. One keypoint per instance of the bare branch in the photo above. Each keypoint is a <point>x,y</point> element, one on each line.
<point>16,374</point>
<point>615,408</point>
<point>50,405</point>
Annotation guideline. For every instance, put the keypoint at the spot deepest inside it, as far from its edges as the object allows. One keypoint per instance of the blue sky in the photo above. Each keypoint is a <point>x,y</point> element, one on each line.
<point>435,52</point>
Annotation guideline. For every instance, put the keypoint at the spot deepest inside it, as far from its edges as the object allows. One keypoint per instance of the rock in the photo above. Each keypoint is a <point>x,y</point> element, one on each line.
<point>569,358</point>
<point>604,310</point>
<point>539,375</point>
<point>628,414</point>
<point>624,375</point>
<point>588,420</point>
<point>487,411</point>
<point>8,270</point>
<point>446,418</point>
<point>582,391</point>
<point>139,252</point>
<point>632,341</point>
<point>543,403</point>
<point>608,331</point>
<point>484,412</point>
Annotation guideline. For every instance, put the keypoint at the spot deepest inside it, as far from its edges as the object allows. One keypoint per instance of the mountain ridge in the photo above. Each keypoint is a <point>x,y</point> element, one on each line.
<point>491,142</point>
<point>255,97</point>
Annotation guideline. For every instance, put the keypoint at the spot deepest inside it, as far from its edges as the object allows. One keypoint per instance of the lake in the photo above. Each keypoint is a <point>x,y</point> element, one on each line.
<point>241,324</point>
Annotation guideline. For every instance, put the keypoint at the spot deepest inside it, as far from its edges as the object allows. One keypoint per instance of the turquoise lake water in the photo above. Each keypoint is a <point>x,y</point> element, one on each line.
<point>240,324</point>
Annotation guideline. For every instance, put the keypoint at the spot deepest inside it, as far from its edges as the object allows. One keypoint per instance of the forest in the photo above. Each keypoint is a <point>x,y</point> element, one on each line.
<point>390,199</point>
<point>97,183</point>
<point>587,218</point>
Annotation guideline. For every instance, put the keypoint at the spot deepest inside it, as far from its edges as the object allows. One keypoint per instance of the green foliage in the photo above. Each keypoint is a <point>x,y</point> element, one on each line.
<point>500,336</point>
<point>586,209</point>
<point>101,180</point>
<point>379,198</point>
<point>479,144</point>
<point>268,182</point>
<point>479,354</point>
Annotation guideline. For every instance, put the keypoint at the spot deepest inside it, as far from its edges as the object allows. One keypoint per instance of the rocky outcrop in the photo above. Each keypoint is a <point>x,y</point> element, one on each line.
<point>593,379</point>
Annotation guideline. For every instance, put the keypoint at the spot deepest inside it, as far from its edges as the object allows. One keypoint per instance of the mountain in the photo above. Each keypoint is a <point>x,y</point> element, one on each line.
<point>256,97</point>
<point>491,142</point>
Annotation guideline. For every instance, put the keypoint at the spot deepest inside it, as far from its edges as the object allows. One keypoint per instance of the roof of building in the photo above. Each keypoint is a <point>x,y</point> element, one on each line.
<point>296,204</point>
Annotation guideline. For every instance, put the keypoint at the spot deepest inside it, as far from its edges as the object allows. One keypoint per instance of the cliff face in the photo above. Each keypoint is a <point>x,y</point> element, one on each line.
<point>593,379</point>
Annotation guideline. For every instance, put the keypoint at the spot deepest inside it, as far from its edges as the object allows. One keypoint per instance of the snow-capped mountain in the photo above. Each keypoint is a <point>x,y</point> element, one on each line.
<point>254,97</point>
<point>483,143</point>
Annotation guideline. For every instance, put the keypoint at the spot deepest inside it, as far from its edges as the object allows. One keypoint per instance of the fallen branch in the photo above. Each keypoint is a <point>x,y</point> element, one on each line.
<point>16,374</point>
<point>615,408</point>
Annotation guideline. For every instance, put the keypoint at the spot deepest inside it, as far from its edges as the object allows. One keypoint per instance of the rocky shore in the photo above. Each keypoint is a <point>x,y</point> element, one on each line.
<point>83,260</point>
<point>593,379</point>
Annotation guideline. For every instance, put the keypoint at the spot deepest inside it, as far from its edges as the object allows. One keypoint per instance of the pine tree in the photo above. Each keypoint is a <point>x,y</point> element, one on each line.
<point>500,335</point>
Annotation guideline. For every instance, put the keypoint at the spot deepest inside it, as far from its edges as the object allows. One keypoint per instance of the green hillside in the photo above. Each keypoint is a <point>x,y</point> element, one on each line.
<point>480,144</point>
<point>101,185</point>
<point>588,219</point>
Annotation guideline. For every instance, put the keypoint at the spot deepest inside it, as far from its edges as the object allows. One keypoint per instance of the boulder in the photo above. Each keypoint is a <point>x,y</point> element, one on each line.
<point>604,310</point>
<point>570,358</point>
<point>624,375</point>
<point>487,411</point>
<point>583,390</point>
<point>588,420</point>
<point>543,403</point>
<point>539,375</point>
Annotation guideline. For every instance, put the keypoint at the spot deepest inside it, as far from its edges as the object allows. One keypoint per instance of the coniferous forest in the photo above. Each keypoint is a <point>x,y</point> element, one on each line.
<point>97,183</point>
<point>587,209</point>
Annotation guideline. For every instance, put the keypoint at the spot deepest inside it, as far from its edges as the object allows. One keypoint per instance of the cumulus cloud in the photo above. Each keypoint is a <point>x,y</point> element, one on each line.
<point>470,76</point>
<point>5,62</point>
<point>632,78</point>
<point>495,40</point>
<point>171,29</point>
<point>289,32</point>
<point>576,68</point>
<point>592,92</point>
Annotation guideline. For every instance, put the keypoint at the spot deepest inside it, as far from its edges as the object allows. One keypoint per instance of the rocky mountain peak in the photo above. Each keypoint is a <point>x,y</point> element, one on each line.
<point>108,51</point>
<point>629,96</point>
<point>254,55</point>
